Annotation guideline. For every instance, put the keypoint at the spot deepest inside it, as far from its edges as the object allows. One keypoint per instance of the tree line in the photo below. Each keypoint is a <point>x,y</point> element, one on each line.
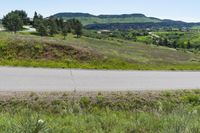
<point>15,20</point>
<point>167,25</point>
<point>173,43</point>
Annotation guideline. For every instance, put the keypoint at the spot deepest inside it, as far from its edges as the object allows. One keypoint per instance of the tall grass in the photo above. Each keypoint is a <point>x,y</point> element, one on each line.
<point>101,121</point>
<point>138,112</point>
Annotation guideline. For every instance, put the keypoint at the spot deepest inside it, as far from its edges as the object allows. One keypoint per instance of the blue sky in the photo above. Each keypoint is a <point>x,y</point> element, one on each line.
<point>186,10</point>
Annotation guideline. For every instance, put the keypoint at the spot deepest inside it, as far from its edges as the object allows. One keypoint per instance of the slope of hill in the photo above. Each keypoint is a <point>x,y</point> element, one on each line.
<point>31,50</point>
<point>86,18</point>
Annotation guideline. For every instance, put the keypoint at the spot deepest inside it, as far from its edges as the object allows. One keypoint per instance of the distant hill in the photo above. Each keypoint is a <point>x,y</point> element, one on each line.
<point>72,15</point>
<point>148,25</point>
<point>124,21</point>
<point>87,19</point>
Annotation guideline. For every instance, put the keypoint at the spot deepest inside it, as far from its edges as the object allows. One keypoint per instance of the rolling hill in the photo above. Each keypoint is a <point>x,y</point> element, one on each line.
<point>90,53</point>
<point>87,19</point>
<point>123,21</point>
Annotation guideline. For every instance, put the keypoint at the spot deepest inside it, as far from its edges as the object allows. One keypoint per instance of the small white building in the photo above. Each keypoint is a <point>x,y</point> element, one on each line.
<point>104,32</point>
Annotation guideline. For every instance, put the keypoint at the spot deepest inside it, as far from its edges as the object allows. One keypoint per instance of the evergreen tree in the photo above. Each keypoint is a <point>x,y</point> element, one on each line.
<point>37,19</point>
<point>42,27</point>
<point>12,22</point>
<point>174,44</point>
<point>52,27</point>
<point>35,16</point>
<point>189,45</point>
<point>78,28</point>
<point>75,27</point>
<point>165,42</point>
<point>65,30</point>
<point>23,15</point>
<point>61,23</point>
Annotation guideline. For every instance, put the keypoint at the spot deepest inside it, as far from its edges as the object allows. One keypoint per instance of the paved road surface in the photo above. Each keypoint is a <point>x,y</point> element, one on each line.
<point>38,79</point>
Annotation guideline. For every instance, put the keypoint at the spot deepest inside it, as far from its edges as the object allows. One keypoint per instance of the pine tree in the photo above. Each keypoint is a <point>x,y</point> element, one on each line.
<point>23,15</point>
<point>12,22</point>
<point>42,27</point>
<point>189,45</point>
<point>65,30</point>
<point>52,27</point>
<point>78,28</point>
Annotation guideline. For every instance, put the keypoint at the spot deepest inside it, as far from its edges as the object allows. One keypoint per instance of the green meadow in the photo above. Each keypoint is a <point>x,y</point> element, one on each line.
<point>31,50</point>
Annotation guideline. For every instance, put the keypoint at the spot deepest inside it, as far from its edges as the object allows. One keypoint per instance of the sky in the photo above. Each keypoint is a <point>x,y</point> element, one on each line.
<point>185,10</point>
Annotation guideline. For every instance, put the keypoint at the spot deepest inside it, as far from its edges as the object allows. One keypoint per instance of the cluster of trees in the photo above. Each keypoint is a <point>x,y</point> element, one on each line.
<point>15,20</point>
<point>171,43</point>
<point>129,34</point>
<point>121,34</point>
<point>51,26</point>
<point>169,40</point>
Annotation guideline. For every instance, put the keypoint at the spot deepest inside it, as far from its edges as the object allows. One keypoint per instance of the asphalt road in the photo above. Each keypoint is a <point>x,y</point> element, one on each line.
<point>38,79</point>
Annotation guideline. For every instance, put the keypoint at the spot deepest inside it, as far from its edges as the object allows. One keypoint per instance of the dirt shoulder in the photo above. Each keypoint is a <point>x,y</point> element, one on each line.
<point>148,95</point>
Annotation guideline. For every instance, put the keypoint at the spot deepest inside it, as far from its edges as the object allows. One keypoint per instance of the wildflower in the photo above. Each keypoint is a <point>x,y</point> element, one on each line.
<point>40,121</point>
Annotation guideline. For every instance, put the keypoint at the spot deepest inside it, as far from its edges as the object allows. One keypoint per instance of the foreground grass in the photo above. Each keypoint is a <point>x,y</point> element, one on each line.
<point>88,53</point>
<point>141,112</point>
<point>27,121</point>
<point>107,65</point>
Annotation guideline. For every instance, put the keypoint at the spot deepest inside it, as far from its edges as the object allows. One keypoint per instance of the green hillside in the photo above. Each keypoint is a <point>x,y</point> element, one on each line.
<point>182,38</point>
<point>92,19</point>
<point>89,53</point>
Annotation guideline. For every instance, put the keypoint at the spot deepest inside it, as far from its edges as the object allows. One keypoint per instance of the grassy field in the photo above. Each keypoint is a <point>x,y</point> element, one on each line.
<point>24,49</point>
<point>100,112</point>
